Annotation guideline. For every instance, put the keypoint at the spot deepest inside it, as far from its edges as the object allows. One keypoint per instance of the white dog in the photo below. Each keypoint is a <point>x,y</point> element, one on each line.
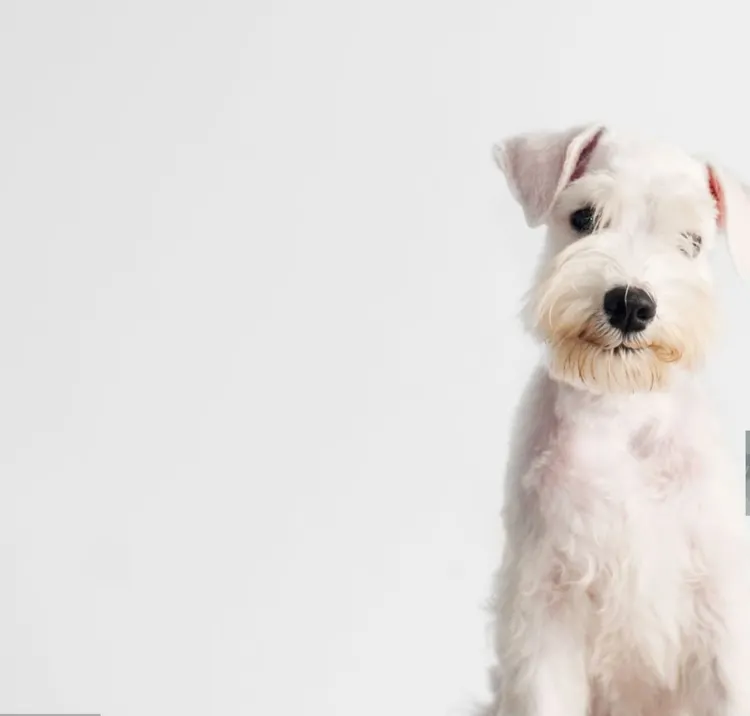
<point>624,588</point>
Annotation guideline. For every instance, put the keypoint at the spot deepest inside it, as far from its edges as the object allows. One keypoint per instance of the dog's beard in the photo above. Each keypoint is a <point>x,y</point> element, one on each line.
<point>621,367</point>
<point>584,350</point>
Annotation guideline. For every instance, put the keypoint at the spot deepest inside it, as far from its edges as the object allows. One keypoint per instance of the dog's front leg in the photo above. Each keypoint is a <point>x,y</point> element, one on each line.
<point>542,668</point>
<point>731,666</point>
<point>718,683</point>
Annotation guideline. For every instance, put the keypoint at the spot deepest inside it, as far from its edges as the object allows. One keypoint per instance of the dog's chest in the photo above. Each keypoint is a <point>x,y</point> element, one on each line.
<point>632,453</point>
<point>635,483</point>
<point>632,483</point>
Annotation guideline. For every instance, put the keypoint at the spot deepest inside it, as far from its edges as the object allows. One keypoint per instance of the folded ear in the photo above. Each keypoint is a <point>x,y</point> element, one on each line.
<point>733,215</point>
<point>539,165</point>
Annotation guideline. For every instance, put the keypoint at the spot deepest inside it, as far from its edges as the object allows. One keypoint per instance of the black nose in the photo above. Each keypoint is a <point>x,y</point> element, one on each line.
<point>629,309</point>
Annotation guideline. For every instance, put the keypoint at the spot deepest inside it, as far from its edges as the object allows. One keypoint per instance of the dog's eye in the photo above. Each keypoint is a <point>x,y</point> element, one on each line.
<point>583,220</point>
<point>693,242</point>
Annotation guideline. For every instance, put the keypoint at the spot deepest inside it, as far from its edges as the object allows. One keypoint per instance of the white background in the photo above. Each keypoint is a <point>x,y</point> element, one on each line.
<point>259,281</point>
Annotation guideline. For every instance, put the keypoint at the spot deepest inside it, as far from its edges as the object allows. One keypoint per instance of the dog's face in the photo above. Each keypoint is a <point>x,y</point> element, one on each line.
<point>624,295</point>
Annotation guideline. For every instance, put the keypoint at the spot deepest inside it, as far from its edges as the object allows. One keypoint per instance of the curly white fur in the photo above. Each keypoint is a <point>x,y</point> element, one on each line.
<point>624,586</point>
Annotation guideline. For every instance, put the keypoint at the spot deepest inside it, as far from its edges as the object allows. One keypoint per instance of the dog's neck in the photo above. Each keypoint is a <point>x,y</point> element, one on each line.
<point>665,406</point>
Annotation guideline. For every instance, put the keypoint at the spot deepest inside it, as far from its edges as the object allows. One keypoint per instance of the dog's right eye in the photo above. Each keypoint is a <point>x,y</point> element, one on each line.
<point>583,220</point>
<point>694,241</point>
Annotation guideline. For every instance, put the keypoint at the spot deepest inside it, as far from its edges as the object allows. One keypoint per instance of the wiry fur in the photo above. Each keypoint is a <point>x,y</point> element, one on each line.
<point>624,585</point>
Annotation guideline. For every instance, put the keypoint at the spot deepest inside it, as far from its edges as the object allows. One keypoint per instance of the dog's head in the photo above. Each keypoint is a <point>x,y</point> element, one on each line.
<point>624,294</point>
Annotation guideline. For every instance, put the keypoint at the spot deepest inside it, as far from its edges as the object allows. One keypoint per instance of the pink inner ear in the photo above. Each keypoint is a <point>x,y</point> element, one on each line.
<point>585,156</point>
<point>718,194</point>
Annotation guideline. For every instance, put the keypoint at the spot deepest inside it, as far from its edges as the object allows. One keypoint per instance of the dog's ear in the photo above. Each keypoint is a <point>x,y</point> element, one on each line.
<point>539,165</point>
<point>733,215</point>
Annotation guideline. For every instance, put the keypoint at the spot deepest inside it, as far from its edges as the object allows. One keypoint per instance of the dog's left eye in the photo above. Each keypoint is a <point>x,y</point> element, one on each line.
<point>694,243</point>
<point>583,220</point>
